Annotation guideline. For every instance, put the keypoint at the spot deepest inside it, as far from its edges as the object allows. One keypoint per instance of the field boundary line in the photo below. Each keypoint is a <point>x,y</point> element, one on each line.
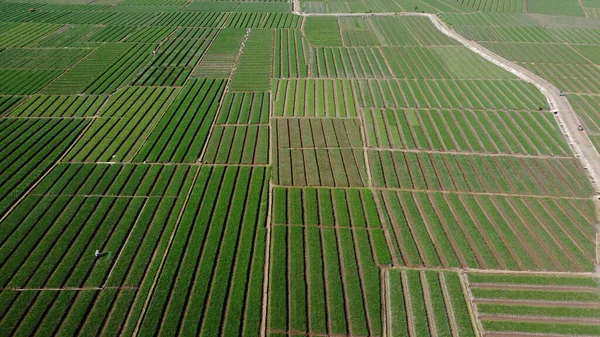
<point>266,268</point>
<point>164,258</point>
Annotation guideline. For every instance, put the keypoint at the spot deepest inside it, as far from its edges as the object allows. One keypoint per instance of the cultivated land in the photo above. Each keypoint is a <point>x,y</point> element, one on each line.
<point>305,168</point>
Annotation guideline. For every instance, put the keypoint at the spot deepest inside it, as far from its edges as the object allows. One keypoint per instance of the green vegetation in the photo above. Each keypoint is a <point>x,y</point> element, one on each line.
<point>244,171</point>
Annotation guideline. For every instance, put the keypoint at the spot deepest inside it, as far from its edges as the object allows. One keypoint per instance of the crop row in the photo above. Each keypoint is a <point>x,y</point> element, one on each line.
<point>59,106</point>
<point>577,35</point>
<point>66,36</point>
<point>326,207</point>
<point>253,70</point>
<point>7,103</point>
<point>495,6</point>
<point>166,19</point>
<point>54,242</point>
<point>489,232</point>
<point>466,131</point>
<point>24,34</point>
<point>424,302</point>
<point>477,33</point>
<point>40,59</point>
<point>357,32</point>
<point>116,180</point>
<point>25,82</point>
<point>536,304</point>
<point>473,94</point>
<point>240,144</point>
<point>120,72</point>
<point>349,63</point>
<point>317,133</point>
<point>409,31</point>
<point>537,52</point>
<point>470,173</point>
<point>182,131</point>
<point>128,119</point>
<point>83,74</point>
<point>588,109</point>
<point>314,98</point>
<point>220,57</point>
<point>291,54</point>
<point>174,61</point>
<point>336,167</point>
<point>212,278</point>
<point>86,312</point>
<point>581,78</point>
<point>245,108</point>
<point>325,281</point>
<point>264,20</point>
<point>28,148</point>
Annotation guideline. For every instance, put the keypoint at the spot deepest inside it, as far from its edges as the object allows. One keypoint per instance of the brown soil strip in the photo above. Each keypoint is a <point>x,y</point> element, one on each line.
<point>536,319</point>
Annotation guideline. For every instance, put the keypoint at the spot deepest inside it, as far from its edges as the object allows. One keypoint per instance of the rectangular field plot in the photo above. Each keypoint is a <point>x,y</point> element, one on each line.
<point>220,57</point>
<point>336,167</point>
<point>255,64</point>
<point>358,32</point>
<point>182,131</point>
<point>495,6</point>
<point>490,232</point>
<point>427,301</point>
<point>29,147</point>
<point>471,173</point>
<point>513,304</point>
<point>291,54</point>
<point>349,63</point>
<point>409,31</point>
<point>127,119</point>
<point>59,106</point>
<point>317,133</point>
<point>244,108</point>
<point>212,278</point>
<point>52,312</point>
<point>331,147</point>
<point>481,131</point>
<point>238,145</point>
<point>50,241</point>
<point>325,281</point>
<point>467,94</point>
<point>117,180</point>
<point>326,207</point>
<point>175,60</point>
<point>78,78</point>
<point>313,98</point>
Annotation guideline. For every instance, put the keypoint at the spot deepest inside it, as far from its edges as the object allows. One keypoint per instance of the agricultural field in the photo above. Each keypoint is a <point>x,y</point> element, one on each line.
<point>233,168</point>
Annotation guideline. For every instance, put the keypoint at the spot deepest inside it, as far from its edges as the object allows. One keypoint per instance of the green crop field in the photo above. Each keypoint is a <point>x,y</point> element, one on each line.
<point>304,168</point>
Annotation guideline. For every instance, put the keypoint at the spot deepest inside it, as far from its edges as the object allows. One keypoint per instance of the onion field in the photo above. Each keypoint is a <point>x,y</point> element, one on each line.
<point>233,168</point>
